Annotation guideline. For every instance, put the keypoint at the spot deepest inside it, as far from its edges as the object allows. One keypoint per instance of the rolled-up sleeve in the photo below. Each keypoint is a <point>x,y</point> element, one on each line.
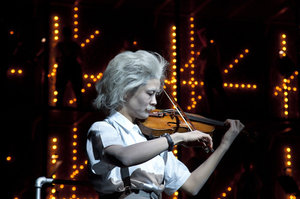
<point>100,135</point>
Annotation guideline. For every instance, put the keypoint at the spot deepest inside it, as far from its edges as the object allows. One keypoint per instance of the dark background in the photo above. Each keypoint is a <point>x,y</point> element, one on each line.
<point>28,121</point>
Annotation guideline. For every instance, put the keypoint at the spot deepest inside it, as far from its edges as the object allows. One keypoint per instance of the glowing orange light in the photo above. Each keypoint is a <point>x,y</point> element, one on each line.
<point>8,158</point>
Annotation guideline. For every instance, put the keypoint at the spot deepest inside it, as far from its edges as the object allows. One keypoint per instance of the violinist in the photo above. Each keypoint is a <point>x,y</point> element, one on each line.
<point>123,162</point>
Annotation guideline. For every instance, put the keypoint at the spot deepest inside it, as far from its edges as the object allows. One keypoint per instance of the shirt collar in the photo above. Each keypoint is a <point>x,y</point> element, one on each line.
<point>123,121</point>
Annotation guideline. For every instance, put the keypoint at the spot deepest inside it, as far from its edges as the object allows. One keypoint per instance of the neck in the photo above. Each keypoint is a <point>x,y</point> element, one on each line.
<point>125,113</point>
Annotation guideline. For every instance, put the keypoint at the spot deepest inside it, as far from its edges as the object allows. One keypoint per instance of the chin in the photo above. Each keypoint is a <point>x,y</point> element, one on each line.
<point>143,116</point>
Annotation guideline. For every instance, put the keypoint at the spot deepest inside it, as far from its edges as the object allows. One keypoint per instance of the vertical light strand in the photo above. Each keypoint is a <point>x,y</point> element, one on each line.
<point>283,50</point>
<point>192,83</point>
<point>54,38</point>
<point>74,152</point>
<point>287,85</point>
<point>53,161</point>
<point>75,20</point>
<point>171,82</point>
<point>189,68</point>
<point>288,163</point>
<point>75,170</point>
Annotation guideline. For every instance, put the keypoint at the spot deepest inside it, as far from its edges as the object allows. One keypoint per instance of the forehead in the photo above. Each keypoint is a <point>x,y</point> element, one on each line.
<point>153,83</point>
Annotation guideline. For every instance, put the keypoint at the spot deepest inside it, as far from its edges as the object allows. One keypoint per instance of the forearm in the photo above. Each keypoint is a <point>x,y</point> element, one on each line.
<point>200,175</point>
<point>138,153</point>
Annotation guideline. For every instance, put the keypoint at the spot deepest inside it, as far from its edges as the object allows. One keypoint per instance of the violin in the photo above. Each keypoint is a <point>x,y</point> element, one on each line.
<point>160,122</point>
<point>170,121</point>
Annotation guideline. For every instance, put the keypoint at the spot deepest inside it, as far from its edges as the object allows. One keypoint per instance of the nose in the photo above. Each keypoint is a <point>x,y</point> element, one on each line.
<point>153,101</point>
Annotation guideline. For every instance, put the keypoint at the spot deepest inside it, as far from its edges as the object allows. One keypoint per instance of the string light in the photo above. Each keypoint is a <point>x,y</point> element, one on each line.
<point>191,82</point>
<point>75,20</point>
<point>189,68</point>
<point>173,78</point>
<point>15,71</point>
<point>54,65</point>
<point>243,86</point>
<point>238,59</point>
<point>288,164</point>
<point>55,35</point>
<point>225,193</point>
<point>287,86</point>
<point>90,38</point>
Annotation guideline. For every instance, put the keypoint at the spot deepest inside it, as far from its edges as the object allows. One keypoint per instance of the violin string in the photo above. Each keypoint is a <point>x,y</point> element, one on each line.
<point>179,112</point>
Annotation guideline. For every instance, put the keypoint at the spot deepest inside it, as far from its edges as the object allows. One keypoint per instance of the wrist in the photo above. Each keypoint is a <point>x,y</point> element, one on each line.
<point>169,140</point>
<point>177,138</point>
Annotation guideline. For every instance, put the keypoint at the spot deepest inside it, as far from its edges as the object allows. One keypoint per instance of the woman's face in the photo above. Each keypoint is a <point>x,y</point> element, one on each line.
<point>142,101</point>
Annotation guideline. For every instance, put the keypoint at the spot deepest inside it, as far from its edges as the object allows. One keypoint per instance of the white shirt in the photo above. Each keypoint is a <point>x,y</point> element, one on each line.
<point>161,173</point>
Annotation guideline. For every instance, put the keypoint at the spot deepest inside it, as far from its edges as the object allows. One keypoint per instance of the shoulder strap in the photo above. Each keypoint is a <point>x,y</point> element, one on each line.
<point>126,178</point>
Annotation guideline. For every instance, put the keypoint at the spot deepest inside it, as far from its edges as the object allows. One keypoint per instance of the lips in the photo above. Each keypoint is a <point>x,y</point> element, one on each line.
<point>150,108</point>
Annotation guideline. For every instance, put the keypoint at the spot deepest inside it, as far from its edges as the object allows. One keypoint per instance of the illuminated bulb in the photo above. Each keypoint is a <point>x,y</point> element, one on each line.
<point>8,158</point>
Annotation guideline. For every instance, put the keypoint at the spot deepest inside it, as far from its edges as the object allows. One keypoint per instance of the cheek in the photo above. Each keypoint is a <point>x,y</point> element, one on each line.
<point>142,101</point>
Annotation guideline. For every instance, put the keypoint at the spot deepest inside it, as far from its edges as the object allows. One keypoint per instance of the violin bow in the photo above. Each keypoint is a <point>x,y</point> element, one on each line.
<point>185,119</point>
<point>180,112</point>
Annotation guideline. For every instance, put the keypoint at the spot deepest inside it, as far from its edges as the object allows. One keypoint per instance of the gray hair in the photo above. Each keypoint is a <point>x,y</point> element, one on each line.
<point>125,73</point>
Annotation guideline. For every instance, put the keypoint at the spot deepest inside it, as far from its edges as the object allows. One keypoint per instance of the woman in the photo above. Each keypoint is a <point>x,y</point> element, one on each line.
<point>123,163</point>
